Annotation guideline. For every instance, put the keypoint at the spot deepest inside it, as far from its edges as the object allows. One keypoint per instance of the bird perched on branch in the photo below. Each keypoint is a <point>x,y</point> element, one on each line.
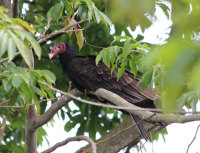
<point>86,76</point>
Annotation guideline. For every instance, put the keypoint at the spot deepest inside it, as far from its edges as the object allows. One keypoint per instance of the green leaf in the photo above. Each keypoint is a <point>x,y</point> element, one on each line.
<point>80,39</point>
<point>112,54</point>
<point>67,22</point>
<point>22,96</point>
<point>136,45</point>
<point>49,76</point>
<point>8,116</point>
<point>147,78</point>
<point>68,126</point>
<point>67,7</point>
<point>133,67</point>
<point>7,83</point>
<point>38,19</point>
<point>35,98</point>
<point>35,89</point>
<point>116,50</point>
<point>17,80</point>
<point>113,68</point>
<point>25,79</point>
<point>98,58</point>
<point>120,72</point>
<point>11,49</point>
<point>97,15</point>
<point>59,14</point>
<point>127,47</point>
<point>34,44</point>
<point>13,97</point>
<point>105,57</point>
<point>13,70</point>
<point>146,46</point>
<point>49,17</point>
<point>31,76</point>
<point>25,24</point>
<point>193,103</point>
<point>119,38</point>
<point>62,114</point>
<point>1,34</point>
<point>20,32</point>
<point>56,11</point>
<point>22,48</point>
<point>49,92</point>
<point>89,4</point>
<point>25,88</point>
<point>20,70</point>
<point>18,135</point>
<point>4,43</point>
<point>106,18</point>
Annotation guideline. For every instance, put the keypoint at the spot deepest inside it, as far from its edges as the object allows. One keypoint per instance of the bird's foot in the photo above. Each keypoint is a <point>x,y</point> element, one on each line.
<point>86,92</point>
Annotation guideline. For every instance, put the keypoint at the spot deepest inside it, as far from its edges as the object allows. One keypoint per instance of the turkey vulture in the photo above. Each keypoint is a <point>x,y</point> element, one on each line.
<point>86,76</point>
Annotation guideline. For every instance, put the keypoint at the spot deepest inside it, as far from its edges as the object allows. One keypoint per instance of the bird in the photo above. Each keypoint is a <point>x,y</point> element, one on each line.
<point>85,75</point>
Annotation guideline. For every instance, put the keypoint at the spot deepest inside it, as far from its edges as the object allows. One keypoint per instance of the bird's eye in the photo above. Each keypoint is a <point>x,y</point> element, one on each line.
<point>59,47</point>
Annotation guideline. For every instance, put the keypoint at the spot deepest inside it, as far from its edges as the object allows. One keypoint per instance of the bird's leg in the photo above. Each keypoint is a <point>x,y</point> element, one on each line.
<point>70,85</point>
<point>86,91</point>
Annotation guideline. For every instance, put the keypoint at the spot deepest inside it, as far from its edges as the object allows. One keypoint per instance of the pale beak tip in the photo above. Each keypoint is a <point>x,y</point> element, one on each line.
<point>50,56</point>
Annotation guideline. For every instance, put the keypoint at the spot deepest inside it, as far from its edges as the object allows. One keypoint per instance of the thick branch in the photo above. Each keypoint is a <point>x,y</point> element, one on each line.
<point>15,8</point>
<point>77,138</point>
<point>117,100</point>
<point>43,119</point>
<point>169,118</point>
<point>119,137</point>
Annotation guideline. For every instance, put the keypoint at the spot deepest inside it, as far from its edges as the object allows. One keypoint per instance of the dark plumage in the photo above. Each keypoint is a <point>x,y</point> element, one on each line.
<point>84,74</point>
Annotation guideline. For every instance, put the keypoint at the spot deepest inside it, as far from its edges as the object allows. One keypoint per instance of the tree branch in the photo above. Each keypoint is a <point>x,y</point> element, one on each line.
<point>2,127</point>
<point>45,38</point>
<point>119,137</point>
<point>115,99</point>
<point>15,8</point>
<point>77,138</point>
<point>192,140</point>
<point>43,119</point>
<point>169,118</point>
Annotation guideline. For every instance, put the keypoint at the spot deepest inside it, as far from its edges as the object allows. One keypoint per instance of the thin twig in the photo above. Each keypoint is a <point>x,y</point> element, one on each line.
<point>74,15</point>
<point>142,146</point>
<point>5,59</point>
<point>45,38</point>
<point>48,25</point>
<point>123,130</point>
<point>15,107</point>
<point>193,138</point>
<point>76,138</point>
<point>2,127</point>
<point>93,45</point>
<point>70,85</point>
<point>3,102</point>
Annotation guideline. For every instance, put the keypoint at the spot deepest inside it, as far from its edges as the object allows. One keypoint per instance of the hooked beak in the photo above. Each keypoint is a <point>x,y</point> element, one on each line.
<point>50,56</point>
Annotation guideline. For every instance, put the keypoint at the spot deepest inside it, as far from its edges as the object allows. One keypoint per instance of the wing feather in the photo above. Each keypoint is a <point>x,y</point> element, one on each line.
<point>91,77</point>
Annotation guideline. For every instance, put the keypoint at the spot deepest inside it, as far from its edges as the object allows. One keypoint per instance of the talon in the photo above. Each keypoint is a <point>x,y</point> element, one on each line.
<point>86,92</point>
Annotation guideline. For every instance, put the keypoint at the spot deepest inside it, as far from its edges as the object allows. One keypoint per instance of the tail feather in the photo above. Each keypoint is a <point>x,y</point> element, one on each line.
<point>140,126</point>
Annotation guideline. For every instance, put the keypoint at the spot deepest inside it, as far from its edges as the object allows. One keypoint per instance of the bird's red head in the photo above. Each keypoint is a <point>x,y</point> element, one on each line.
<point>58,48</point>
